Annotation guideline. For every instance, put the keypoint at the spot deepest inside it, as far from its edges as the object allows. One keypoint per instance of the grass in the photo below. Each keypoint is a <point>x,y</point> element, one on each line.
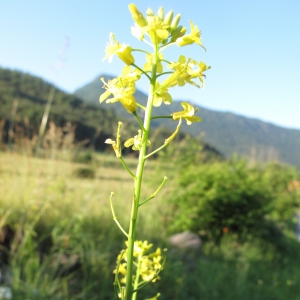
<point>58,215</point>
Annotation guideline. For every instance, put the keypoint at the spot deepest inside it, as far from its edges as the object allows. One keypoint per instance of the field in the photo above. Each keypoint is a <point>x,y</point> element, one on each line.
<point>66,242</point>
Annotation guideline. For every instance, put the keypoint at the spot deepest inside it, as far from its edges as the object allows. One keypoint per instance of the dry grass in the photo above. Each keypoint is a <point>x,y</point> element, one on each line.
<point>27,184</point>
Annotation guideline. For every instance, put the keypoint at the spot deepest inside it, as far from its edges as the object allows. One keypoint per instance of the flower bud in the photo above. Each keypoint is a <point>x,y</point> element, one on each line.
<point>177,33</point>
<point>175,22</point>
<point>150,12</point>
<point>125,54</point>
<point>161,13</point>
<point>169,17</point>
<point>137,15</point>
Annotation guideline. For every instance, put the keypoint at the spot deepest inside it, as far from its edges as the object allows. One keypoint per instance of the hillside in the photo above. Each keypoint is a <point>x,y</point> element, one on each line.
<point>228,132</point>
<point>31,93</point>
<point>93,123</point>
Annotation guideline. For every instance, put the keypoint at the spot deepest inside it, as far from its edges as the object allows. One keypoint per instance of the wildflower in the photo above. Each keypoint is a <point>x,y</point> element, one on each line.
<point>115,146</point>
<point>123,88</point>
<point>161,95</point>
<point>136,142</point>
<point>122,51</point>
<point>187,114</point>
<point>185,71</point>
<point>191,38</point>
<point>149,63</point>
<point>157,29</point>
<point>198,73</point>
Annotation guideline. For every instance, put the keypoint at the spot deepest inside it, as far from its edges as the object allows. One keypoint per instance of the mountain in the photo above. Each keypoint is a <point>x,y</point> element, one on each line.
<point>29,95</point>
<point>227,132</point>
<point>93,124</point>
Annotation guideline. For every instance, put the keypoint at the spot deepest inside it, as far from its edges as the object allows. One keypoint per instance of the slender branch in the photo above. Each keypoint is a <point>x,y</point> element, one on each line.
<point>165,47</point>
<point>161,117</point>
<point>148,43</point>
<point>166,61</point>
<point>164,73</point>
<point>114,215</point>
<point>140,50</point>
<point>155,193</point>
<point>167,141</point>
<point>139,120</point>
<point>141,106</point>
<point>142,71</point>
<point>126,167</point>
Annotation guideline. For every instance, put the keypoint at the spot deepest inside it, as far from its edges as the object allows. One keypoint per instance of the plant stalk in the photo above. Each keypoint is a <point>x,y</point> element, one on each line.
<point>138,182</point>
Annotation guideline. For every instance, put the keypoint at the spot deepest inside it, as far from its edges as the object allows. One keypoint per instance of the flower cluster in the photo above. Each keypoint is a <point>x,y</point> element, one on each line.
<point>163,30</point>
<point>148,264</point>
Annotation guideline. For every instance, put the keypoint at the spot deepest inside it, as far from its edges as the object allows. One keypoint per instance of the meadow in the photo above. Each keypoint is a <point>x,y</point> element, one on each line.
<point>66,242</point>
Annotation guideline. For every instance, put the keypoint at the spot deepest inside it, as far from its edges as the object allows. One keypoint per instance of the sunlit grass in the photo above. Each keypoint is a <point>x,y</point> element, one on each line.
<point>44,198</point>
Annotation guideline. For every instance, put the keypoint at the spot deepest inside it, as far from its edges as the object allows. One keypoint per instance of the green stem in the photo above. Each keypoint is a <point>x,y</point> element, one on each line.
<point>138,181</point>
<point>164,73</point>
<point>139,121</point>
<point>140,50</point>
<point>154,194</point>
<point>161,117</point>
<point>166,46</point>
<point>137,279</point>
<point>142,71</point>
<point>141,106</point>
<point>167,141</point>
<point>125,166</point>
<point>114,215</point>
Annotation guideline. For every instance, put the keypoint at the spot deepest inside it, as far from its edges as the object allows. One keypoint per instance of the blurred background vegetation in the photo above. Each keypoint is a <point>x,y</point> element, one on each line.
<point>58,239</point>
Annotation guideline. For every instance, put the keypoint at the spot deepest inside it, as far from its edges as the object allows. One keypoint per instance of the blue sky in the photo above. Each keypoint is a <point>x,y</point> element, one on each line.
<point>253,48</point>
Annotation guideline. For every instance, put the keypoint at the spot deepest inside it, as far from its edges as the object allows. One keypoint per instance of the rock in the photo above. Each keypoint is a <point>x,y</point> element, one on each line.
<point>185,241</point>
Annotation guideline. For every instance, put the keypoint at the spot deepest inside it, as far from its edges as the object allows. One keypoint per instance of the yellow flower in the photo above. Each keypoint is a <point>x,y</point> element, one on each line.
<point>185,71</point>
<point>191,38</point>
<point>198,73</point>
<point>161,95</point>
<point>157,29</point>
<point>122,51</point>
<point>149,63</point>
<point>122,92</point>
<point>187,114</point>
<point>136,142</point>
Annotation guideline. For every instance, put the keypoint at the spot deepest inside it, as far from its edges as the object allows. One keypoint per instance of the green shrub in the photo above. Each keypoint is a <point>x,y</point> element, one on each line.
<point>83,157</point>
<point>224,198</point>
<point>284,183</point>
<point>84,172</point>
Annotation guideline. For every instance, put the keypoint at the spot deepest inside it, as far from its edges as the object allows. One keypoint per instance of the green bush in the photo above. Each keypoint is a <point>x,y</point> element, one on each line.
<point>83,157</point>
<point>225,198</point>
<point>284,183</point>
<point>84,172</point>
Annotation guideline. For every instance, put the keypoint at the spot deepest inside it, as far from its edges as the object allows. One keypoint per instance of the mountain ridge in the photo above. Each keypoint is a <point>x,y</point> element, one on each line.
<point>226,131</point>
